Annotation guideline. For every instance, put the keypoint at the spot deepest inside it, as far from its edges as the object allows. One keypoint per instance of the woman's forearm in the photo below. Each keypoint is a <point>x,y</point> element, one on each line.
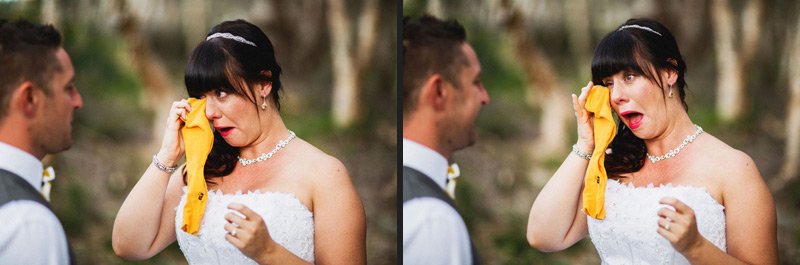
<point>139,218</point>
<point>553,214</point>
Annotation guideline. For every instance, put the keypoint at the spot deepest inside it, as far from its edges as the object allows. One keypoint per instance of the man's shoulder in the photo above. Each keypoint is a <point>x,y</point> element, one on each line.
<point>432,215</point>
<point>26,225</point>
<point>27,212</point>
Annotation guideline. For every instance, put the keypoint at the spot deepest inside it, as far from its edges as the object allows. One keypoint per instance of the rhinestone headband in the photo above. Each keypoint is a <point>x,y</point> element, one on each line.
<point>234,37</point>
<point>639,27</point>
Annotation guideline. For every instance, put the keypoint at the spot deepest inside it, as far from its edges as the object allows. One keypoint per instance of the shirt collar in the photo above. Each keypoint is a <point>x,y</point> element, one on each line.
<point>21,163</point>
<point>426,161</point>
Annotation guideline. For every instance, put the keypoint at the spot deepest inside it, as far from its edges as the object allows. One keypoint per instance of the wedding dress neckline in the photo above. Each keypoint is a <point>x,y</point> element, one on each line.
<point>664,186</point>
<point>289,221</point>
<point>628,233</point>
<point>219,193</point>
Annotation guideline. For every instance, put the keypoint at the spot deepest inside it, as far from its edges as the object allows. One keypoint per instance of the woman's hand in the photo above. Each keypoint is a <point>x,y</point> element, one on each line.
<point>584,118</point>
<point>172,145</point>
<point>679,227</point>
<point>249,233</point>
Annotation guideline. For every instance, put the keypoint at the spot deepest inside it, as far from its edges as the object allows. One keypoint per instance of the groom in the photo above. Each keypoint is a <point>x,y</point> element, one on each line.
<point>442,96</point>
<point>37,101</point>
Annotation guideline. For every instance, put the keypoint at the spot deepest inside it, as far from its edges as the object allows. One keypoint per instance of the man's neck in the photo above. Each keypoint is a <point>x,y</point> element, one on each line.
<point>429,140</point>
<point>15,134</point>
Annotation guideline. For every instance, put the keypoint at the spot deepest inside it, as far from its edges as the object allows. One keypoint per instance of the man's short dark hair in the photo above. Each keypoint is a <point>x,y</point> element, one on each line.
<point>27,53</point>
<point>430,46</point>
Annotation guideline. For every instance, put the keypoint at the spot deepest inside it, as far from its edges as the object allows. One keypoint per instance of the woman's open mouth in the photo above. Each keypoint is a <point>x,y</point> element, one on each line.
<point>224,131</point>
<point>633,118</point>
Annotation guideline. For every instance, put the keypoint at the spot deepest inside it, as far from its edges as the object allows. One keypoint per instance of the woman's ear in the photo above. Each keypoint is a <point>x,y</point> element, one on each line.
<point>266,86</point>
<point>672,75</point>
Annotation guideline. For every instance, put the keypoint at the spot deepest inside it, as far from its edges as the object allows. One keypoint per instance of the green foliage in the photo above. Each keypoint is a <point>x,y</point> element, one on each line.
<point>110,91</point>
<point>77,212</point>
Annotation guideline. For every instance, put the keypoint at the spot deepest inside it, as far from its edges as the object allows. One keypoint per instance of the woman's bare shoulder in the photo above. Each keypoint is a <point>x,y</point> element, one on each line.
<point>318,164</point>
<point>729,165</point>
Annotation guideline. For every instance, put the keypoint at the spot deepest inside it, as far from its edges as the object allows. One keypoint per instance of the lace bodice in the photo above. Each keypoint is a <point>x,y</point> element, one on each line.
<point>628,234</point>
<point>289,222</point>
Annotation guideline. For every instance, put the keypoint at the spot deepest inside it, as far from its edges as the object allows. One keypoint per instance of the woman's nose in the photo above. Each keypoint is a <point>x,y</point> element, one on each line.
<point>617,95</point>
<point>212,112</point>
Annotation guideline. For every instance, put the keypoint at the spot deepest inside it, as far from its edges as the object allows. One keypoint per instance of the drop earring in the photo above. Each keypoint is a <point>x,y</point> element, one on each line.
<point>264,103</point>
<point>670,91</point>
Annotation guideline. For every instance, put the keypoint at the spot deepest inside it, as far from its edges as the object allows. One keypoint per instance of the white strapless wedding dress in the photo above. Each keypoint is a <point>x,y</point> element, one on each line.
<point>628,234</point>
<point>289,222</point>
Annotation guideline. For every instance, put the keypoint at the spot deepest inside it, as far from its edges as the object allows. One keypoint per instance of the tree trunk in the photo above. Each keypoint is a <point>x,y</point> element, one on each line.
<point>345,82</point>
<point>544,91</point>
<point>435,8</point>
<point>791,163</point>
<point>50,12</point>
<point>349,65</point>
<point>194,22</point>
<point>732,62</point>
<point>157,86</point>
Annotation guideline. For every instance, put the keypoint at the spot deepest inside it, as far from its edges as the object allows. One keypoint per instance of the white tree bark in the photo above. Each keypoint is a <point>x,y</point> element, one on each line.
<point>732,62</point>
<point>349,65</point>
<point>157,85</point>
<point>791,164</point>
<point>50,12</point>
<point>544,90</point>
<point>194,22</point>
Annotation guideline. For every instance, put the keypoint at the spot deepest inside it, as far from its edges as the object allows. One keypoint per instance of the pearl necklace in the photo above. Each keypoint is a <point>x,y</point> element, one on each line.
<point>264,156</point>
<point>672,153</point>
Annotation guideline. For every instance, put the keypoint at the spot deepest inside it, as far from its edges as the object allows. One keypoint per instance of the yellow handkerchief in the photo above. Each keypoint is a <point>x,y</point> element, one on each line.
<point>604,130</point>
<point>197,139</point>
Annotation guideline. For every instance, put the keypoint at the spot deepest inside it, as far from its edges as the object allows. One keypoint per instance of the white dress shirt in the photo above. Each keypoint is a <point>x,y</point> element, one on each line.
<point>31,233</point>
<point>433,232</point>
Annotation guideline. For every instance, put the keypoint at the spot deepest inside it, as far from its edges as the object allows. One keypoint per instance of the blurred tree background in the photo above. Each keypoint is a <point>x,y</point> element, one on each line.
<point>339,94</point>
<point>743,73</point>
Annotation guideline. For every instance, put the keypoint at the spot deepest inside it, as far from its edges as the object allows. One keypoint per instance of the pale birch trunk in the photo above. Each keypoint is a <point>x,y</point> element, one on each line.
<point>157,92</point>
<point>791,163</point>
<point>348,64</point>
<point>732,62</point>
<point>194,22</point>
<point>543,90</point>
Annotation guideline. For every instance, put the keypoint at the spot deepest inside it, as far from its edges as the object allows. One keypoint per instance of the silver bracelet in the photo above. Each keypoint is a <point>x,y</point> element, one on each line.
<point>163,167</point>
<point>580,153</point>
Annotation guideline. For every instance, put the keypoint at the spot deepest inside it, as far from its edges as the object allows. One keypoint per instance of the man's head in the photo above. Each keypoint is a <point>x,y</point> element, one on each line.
<point>37,94</point>
<point>442,92</point>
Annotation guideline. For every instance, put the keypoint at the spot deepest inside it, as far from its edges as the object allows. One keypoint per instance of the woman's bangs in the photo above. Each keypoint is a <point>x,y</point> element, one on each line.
<point>207,70</point>
<point>615,53</point>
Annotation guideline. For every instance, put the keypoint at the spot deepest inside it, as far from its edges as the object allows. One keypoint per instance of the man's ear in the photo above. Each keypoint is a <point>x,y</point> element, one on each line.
<point>433,92</point>
<point>26,99</point>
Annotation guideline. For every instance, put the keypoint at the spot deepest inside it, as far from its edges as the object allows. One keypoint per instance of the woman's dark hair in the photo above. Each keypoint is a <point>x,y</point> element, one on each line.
<point>645,47</point>
<point>232,65</point>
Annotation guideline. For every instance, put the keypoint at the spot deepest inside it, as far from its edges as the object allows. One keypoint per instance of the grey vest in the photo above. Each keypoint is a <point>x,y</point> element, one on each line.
<point>13,187</point>
<point>417,185</point>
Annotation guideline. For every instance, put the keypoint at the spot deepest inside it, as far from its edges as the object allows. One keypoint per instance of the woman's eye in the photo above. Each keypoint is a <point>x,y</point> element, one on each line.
<point>629,77</point>
<point>221,94</point>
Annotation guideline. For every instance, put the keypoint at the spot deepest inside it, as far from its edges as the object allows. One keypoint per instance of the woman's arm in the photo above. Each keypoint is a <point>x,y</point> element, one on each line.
<point>339,222</point>
<point>145,222</point>
<point>556,220</point>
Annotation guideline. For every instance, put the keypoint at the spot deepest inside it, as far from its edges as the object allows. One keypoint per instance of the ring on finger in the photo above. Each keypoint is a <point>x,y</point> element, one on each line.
<point>669,222</point>
<point>232,232</point>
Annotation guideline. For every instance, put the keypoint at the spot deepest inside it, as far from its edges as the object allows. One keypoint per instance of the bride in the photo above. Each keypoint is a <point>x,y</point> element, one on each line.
<point>675,195</point>
<point>272,198</point>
